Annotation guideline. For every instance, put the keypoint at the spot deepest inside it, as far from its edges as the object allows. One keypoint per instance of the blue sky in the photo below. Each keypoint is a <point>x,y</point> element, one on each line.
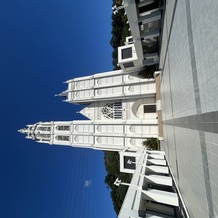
<point>42,44</point>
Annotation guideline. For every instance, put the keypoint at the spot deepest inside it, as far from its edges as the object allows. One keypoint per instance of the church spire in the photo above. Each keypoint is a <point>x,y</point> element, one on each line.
<point>38,132</point>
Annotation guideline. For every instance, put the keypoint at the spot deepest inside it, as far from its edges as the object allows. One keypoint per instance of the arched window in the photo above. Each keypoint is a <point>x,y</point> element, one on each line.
<point>63,128</point>
<point>132,141</point>
<point>130,77</point>
<point>99,128</point>
<point>43,137</point>
<point>132,129</point>
<point>99,92</point>
<point>99,81</point>
<point>76,138</point>
<point>131,88</point>
<point>62,138</point>
<point>99,140</point>
<point>112,110</point>
<point>44,128</point>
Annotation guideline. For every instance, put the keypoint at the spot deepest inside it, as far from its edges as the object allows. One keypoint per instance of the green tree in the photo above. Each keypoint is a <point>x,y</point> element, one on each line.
<point>112,166</point>
<point>119,32</point>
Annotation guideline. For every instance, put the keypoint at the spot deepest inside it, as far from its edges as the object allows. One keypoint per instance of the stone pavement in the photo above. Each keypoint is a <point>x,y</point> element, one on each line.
<point>189,100</point>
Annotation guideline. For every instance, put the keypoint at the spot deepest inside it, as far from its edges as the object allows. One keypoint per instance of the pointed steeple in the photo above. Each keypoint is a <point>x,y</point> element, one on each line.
<point>38,132</point>
<point>24,130</point>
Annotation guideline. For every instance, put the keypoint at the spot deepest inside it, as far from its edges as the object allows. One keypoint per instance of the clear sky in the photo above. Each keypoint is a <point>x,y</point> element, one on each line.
<point>42,44</point>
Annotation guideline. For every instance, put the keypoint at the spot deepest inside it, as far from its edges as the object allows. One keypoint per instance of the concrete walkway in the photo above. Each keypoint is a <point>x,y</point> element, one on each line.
<point>189,100</point>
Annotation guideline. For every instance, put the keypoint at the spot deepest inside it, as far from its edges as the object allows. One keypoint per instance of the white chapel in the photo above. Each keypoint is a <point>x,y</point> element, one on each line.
<point>120,109</point>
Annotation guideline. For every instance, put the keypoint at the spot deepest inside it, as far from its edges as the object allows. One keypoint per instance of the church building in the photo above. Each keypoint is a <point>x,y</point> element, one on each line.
<point>121,112</point>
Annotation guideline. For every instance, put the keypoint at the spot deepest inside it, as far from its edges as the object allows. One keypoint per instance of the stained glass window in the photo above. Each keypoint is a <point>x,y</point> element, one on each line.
<point>112,110</point>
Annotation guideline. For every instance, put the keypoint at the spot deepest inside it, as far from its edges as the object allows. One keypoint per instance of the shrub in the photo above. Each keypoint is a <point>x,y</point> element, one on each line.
<point>151,144</point>
<point>147,72</point>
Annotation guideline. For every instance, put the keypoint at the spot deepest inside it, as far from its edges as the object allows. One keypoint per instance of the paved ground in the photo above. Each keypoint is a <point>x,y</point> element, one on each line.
<point>189,95</point>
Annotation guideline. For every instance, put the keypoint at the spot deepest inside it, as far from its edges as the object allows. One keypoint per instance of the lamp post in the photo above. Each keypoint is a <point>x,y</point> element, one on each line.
<point>118,182</point>
<point>132,162</point>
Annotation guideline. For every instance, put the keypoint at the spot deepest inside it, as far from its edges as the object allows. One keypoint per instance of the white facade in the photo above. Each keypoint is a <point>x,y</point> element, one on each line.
<point>121,109</point>
<point>120,106</point>
<point>109,85</point>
